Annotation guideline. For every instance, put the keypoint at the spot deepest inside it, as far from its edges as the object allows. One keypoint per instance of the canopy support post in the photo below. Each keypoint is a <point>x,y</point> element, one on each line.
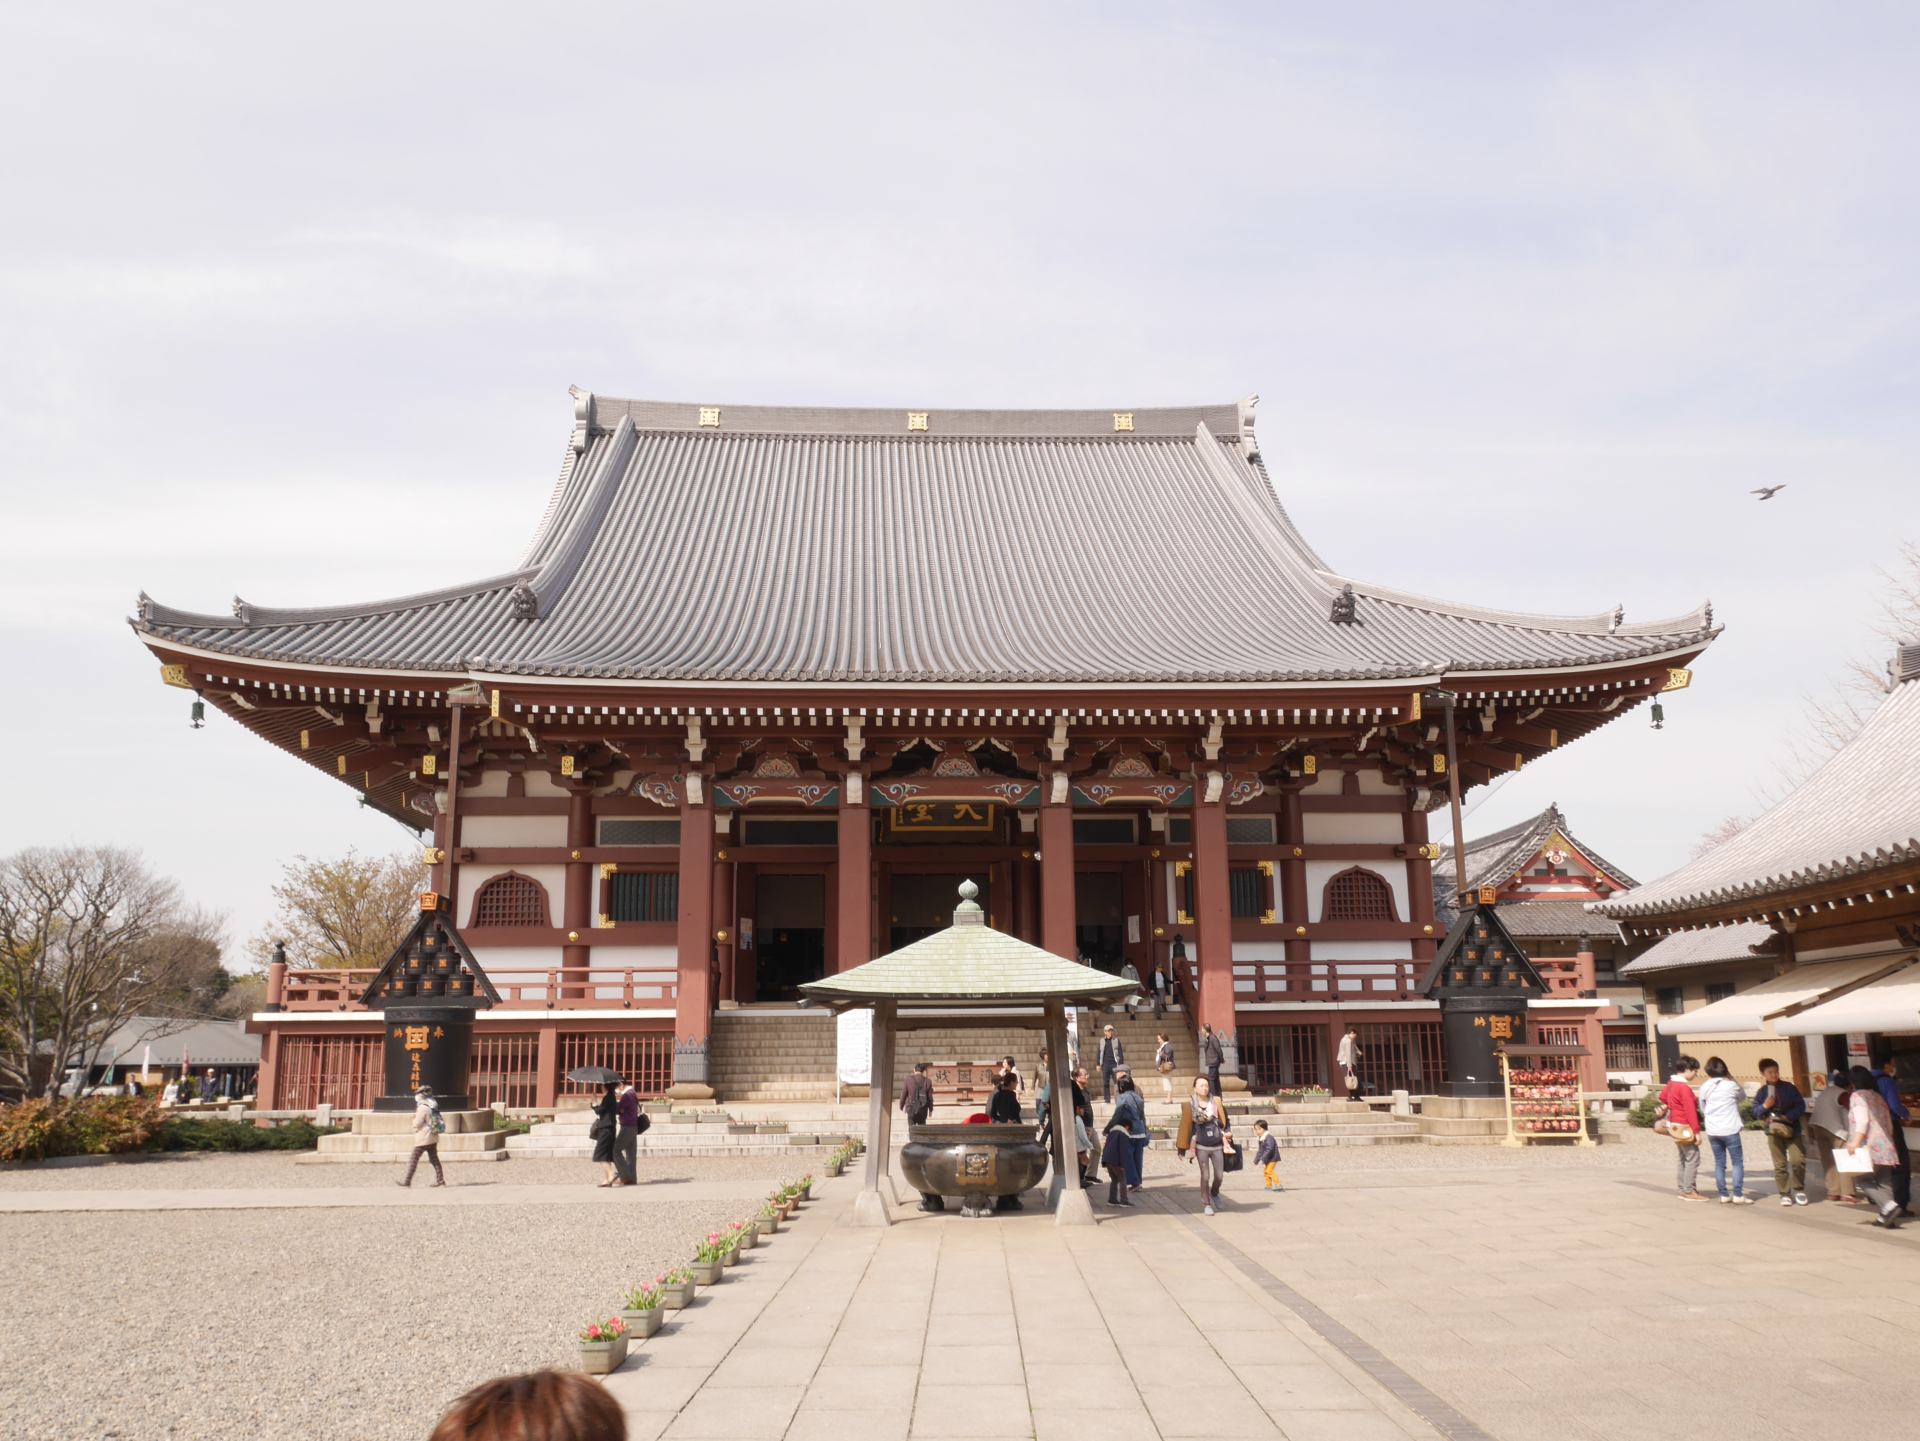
<point>1070,1204</point>
<point>870,1206</point>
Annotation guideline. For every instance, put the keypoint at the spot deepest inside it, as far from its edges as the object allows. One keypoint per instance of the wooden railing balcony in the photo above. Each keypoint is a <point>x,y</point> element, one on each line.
<point>1354,982</point>
<point>550,988</point>
<point>1566,976</point>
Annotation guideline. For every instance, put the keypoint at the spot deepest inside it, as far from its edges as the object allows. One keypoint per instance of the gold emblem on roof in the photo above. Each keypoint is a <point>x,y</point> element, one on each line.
<point>710,415</point>
<point>916,420</point>
<point>1678,678</point>
<point>1123,420</point>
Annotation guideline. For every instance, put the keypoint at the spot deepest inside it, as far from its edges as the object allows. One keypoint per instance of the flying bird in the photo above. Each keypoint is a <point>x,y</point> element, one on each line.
<point>1768,492</point>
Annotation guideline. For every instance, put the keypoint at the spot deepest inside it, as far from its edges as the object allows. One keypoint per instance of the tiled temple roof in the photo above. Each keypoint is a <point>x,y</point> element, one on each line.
<point>1744,941</point>
<point>811,545</point>
<point>1859,813</point>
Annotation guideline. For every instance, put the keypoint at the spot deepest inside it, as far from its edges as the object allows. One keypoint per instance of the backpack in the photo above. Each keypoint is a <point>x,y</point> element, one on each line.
<point>439,1127</point>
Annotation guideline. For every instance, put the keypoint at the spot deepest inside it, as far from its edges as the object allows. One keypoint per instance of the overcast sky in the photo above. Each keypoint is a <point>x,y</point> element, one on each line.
<point>1532,296</point>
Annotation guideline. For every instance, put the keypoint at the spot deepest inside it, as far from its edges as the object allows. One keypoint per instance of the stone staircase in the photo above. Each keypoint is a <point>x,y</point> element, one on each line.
<point>685,1134</point>
<point>387,1136</point>
<point>771,1054</point>
<point>1461,1121</point>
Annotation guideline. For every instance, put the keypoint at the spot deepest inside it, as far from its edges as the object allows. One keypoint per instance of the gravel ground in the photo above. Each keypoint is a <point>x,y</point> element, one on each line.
<point>198,1171</point>
<point>357,1324</point>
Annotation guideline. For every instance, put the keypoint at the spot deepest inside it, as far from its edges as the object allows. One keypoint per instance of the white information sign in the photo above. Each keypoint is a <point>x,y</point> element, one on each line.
<point>853,1038</point>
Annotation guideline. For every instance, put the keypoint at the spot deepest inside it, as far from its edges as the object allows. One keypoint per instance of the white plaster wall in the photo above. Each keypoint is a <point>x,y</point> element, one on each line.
<point>657,957</point>
<point>1362,828</point>
<point>1259,950</point>
<point>1320,872</point>
<point>1326,782</point>
<point>1372,783</point>
<point>539,783</point>
<point>513,830</point>
<point>491,783</point>
<point>554,878</point>
<point>1362,950</point>
<point>520,958</point>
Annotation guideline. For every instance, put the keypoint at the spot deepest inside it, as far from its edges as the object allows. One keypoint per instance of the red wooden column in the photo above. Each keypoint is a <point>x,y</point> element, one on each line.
<point>726,943</point>
<point>1213,924</point>
<point>854,944</point>
<point>546,1066</point>
<point>1058,923</point>
<point>693,1007</point>
<point>577,903</point>
<point>1026,899</point>
<point>1293,894</point>
<point>1413,829</point>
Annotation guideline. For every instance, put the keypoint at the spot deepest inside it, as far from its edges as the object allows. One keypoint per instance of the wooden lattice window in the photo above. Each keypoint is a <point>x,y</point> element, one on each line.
<point>644,896</point>
<point>1357,894</point>
<point>511,900</point>
<point>1246,893</point>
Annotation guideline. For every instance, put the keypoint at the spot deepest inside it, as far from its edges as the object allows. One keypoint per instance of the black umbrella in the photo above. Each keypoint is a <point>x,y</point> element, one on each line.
<point>594,1076</point>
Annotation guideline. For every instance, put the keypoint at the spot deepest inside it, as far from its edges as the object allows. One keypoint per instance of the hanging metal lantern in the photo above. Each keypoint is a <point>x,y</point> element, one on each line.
<point>198,716</point>
<point>1659,716</point>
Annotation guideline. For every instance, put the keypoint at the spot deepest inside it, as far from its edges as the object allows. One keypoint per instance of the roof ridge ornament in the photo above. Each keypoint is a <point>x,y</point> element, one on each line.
<point>525,602</point>
<point>242,612</point>
<point>968,912</point>
<point>582,417</point>
<point>1249,446</point>
<point>1619,618</point>
<point>1346,607</point>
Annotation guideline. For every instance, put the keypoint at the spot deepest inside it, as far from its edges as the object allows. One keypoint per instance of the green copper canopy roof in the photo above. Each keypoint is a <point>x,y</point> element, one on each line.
<point>970,963</point>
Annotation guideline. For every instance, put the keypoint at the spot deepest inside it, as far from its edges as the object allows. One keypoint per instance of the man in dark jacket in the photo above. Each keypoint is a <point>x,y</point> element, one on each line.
<point>1887,1081</point>
<point>1112,1058</point>
<point>1212,1054</point>
<point>1780,1104</point>
<point>916,1095</point>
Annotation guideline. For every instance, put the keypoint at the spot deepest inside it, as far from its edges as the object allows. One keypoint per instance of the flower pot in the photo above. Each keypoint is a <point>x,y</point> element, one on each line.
<point>706,1273</point>
<point>770,1225</point>
<point>641,1324</point>
<point>673,1298</point>
<point>835,1169</point>
<point>597,1358</point>
<point>732,1258</point>
<point>750,1237</point>
<point>806,1191</point>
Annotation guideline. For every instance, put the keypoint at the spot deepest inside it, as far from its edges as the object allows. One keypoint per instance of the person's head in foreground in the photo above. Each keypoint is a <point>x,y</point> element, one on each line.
<point>539,1406</point>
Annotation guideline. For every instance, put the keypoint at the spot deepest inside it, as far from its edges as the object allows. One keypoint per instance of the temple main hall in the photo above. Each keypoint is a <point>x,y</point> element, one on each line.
<point>768,683</point>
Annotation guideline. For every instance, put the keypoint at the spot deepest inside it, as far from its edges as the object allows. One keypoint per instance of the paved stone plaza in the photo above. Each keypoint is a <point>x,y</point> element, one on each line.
<point>1400,1292</point>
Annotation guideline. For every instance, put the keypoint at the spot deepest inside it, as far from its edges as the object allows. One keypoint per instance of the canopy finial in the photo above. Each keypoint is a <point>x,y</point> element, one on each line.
<point>967,913</point>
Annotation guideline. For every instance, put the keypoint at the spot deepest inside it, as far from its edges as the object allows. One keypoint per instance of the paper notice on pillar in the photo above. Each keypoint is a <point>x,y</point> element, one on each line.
<point>853,1039</point>
<point>1133,930</point>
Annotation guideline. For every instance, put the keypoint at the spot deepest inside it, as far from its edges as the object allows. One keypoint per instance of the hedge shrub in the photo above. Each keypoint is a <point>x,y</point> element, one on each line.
<point>114,1125</point>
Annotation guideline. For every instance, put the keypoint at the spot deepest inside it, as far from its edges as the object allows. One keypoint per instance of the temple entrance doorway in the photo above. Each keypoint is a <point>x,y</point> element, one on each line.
<point>918,904</point>
<point>790,923</point>
<point>1099,905</point>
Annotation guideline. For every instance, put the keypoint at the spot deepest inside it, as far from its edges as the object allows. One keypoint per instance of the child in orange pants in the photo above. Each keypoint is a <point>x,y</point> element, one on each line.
<point>1267,1155</point>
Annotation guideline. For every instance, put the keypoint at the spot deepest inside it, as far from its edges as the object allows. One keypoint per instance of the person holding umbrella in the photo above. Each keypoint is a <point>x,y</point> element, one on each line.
<point>605,1130</point>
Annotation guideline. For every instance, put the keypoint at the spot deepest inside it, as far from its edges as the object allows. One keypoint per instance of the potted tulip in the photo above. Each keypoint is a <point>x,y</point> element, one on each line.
<point>642,1314</point>
<point>709,1257</point>
<point>746,1234</point>
<point>769,1219</point>
<point>806,1186</point>
<point>675,1288</point>
<point>603,1346</point>
<point>730,1249</point>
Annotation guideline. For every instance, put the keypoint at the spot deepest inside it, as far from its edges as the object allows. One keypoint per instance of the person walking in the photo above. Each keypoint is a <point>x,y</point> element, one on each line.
<point>1176,962</point>
<point>1084,1127</point>
<point>428,1127</point>
<point>605,1132</point>
<point>1720,1100</point>
<point>1267,1155</point>
<point>1130,972</point>
<point>1159,990</point>
<point>1212,1055</point>
<point>1112,1058</point>
<point>1780,1104</point>
<point>1347,1057</point>
<point>1827,1123</point>
<point>1130,1116</point>
<point>1163,1063</point>
<point>626,1139</point>
<point>1870,1125</point>
<point>1677,1117</point>
<point>1003,1107</point>
<point>1116,1152</point>
<point>1887,1082</point>
<point>1203,1137</point>
<point>916,1095</point>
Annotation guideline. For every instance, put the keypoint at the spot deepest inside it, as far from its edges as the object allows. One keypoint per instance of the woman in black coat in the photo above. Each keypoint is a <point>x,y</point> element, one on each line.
<point>605,1131</point>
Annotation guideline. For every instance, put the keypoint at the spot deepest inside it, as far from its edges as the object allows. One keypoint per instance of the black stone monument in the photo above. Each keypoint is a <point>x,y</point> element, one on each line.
<point>428,993</point>
<point>1483,981</point>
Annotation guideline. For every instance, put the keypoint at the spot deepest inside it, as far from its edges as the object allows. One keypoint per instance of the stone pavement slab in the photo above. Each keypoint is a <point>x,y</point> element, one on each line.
<point>455,1193</point>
